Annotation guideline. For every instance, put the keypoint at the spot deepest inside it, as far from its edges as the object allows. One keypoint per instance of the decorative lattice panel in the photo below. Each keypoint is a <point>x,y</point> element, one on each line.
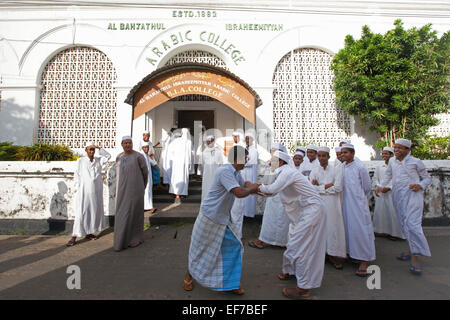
<point>304,107</point>
<point>443,128</point>
<point>78,100</point>
<point>198,56</point>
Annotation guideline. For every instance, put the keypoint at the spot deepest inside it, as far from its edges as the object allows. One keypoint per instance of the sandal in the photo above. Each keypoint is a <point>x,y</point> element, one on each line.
<point>286,276</point>
<point>296,293</point>
<point>71,243</point>
<point>134,245</point>
<point>415,269</point>
<point>257,244</point>
<point>188,285</point>
<point>335,264</point>
<point>404,257</point>
<point>91,237</point>
<point>238,292</point>
<point>361,273</point>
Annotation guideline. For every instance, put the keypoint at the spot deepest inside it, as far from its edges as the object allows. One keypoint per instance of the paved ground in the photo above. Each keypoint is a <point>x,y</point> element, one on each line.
<point>34,267</point>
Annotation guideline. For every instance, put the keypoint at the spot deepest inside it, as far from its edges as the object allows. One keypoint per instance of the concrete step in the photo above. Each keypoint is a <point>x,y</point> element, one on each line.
<point>168,213</point>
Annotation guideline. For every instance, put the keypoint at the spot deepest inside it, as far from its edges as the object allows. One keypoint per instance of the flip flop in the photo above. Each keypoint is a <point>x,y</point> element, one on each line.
<point>286,276</point>
<point>361,273</point>
<point>238,292</point>
<point>188,286</point>
<point>294,293</point>
<point>415,269</point>
<point>404,257</point>
<point>71,243</point>
<point>254,244</point>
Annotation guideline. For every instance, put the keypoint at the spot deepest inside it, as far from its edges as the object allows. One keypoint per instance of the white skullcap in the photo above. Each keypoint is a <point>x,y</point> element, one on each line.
<point>235,134</point>
<point>250,134</point>
<point>279,146</point>
<point>348,146</point>
<point>345,141</point>
<point>388,149</point>
<point>303,149</point>
<point>127,138</point>
<point>324,149</point>
<point>337,149</point>
<point>299,153</point>
<point>403,142</point>
<point>282,155</point>
<point>143,144</point>
<point>312,147</point>
<point>146,131</point>
<point>209,138</point>
<point>88,144</point>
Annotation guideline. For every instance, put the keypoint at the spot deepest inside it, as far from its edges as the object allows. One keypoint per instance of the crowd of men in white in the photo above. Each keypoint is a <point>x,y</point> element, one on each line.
<point>313,208</point>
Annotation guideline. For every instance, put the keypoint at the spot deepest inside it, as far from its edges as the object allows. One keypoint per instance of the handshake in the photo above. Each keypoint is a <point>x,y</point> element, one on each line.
<point>254,188</point>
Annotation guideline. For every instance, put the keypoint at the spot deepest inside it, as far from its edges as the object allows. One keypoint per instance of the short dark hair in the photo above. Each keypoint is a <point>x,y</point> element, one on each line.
<point>237,154</point>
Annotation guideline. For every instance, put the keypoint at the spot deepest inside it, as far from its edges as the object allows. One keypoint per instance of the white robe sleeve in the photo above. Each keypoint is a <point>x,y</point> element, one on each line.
<point>283,180</point>
<point>337,183</point>
<point>105,156</point>
<point>423,174</point>
<point>365,179</point>
<point>386,182</point>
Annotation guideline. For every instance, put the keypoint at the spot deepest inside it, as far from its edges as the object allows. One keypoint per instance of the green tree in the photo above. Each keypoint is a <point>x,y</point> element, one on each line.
<point>394,82</point>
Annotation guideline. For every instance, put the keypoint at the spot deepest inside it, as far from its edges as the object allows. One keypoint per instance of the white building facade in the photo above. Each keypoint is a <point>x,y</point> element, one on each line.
<point>78,71</point>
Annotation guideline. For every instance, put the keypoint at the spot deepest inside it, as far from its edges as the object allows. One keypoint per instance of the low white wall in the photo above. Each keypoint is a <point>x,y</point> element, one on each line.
<point>45,190</point>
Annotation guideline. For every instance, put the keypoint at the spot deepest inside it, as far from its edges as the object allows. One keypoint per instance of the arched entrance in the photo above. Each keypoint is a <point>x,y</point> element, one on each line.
<point>227,96</point>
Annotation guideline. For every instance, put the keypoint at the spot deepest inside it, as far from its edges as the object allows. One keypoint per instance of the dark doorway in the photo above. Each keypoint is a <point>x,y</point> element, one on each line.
<point>186,119</point>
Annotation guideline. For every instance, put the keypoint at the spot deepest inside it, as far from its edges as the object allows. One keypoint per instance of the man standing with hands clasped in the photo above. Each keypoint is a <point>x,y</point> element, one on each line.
<point>409,180</point>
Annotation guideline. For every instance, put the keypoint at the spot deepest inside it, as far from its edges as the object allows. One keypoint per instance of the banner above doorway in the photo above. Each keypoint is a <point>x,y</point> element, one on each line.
<point>193,78</point>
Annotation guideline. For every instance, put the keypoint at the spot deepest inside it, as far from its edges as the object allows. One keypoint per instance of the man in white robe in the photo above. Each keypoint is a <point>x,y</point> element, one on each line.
<point>275,222</point>
<point>250,173</point>
<point>89,197</point>
<point>165,161</point>
<point>338,161</point>
<point>310,162</point>
<point>210,160</point>
<point>385,219</point>
<point>148,194</point>
<point>181,165</point>
<point>409,179</point>
<point>305,250</point>
<point>328,181</point>
<point>359,234</point>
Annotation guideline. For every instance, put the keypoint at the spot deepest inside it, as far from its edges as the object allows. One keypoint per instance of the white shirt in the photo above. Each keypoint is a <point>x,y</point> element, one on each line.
<point>326,176</point>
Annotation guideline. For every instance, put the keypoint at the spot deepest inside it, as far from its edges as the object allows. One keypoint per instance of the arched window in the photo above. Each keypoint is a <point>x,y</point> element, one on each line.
<point>304,107</point>
<point>78,101</point>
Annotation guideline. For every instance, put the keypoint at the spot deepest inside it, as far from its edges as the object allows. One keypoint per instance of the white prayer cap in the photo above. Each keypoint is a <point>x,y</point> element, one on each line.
<point>210,138</point>
<point>127,138</point>
<point>324,149</point>
<point>403,142</point>
<point>88,144</point>
<point>282,155</point>
<point>146,131</point>
<point>312,147</point>
<point>345,141</point>
<point>348,146</point>
<point>303,149</point>
<point>299,153</point>
<point>250,134</point>
<point>235,134</point>
<point>144,144</point>
<point>279,146</point>
<point>337,149</point>
<point>388,149</point>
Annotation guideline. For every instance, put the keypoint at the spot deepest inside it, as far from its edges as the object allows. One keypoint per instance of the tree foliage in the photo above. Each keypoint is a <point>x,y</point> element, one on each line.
<point>394,82</point>
<point>433,148</point>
